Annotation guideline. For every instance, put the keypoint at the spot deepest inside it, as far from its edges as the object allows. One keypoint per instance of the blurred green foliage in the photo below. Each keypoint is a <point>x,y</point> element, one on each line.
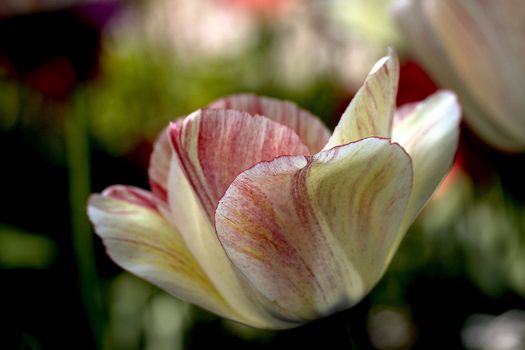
<point>25,250</point>
<point>142,91</point>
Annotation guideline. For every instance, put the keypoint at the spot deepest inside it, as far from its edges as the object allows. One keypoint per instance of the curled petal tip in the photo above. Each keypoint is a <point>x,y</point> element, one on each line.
<point>371,111</point>
<point>390,58</point>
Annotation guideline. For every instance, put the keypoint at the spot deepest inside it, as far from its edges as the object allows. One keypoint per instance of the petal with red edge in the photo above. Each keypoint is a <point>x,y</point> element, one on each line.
<point>141,241</point>
<point>216,145</point>
<point>312,234</point>
<point>308,127</point>
<point>371,110</point>
<point>429,133</point>
<point>160,161</point>
<point>132,195</point>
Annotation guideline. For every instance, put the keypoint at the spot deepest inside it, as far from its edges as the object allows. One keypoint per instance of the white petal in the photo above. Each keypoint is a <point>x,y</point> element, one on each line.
<point>312,234</point>
<point>141,241</point>
<point>476,48</point>
<point>430,136</point>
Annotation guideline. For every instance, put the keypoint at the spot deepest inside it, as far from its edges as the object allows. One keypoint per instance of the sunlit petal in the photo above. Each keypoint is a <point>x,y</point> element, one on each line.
<point>429,133</point>
<point>312,234</point>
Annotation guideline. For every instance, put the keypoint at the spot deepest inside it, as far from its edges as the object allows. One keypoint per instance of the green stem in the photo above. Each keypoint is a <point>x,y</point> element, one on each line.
<point>78,157</point>
<point>347,331</point>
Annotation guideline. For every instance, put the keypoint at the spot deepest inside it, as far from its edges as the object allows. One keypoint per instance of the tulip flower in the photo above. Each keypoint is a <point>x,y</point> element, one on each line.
<point>476,48</point>
<point>259,214</point>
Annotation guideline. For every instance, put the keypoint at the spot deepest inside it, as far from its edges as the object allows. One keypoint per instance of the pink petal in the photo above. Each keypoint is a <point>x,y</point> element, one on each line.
<point>160,164</point>
<point>132,195</point>
<point>310,129</point>
<point>216,145</point>
<point>312,234</point>
<point>371,111</point>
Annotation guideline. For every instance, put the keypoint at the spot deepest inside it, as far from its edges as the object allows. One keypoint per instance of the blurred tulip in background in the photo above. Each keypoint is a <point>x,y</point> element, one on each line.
<point>476,48</point>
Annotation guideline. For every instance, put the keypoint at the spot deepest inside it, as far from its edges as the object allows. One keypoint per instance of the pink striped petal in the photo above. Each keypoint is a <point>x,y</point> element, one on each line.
<point>216,145</point>
<point>160,165</point>
<point>312,234</point>
<point>132,195</point>
<point>310,129</point>
<point>429,133</point>
<point>141,241</point>
<point>371,111</point>
<point>160,161</point>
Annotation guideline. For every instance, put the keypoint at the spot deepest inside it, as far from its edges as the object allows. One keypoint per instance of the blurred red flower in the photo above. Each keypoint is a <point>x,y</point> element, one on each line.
<point>264,8</point>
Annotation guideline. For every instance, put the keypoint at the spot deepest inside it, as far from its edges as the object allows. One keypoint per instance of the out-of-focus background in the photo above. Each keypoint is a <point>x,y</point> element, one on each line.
<point>85,88</point>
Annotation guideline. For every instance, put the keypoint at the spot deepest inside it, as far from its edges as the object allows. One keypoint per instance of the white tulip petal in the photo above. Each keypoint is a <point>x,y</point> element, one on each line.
<point>484,41</point>
<point>141,241</point>
<point>429,133</point>
<point>476,48</point>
